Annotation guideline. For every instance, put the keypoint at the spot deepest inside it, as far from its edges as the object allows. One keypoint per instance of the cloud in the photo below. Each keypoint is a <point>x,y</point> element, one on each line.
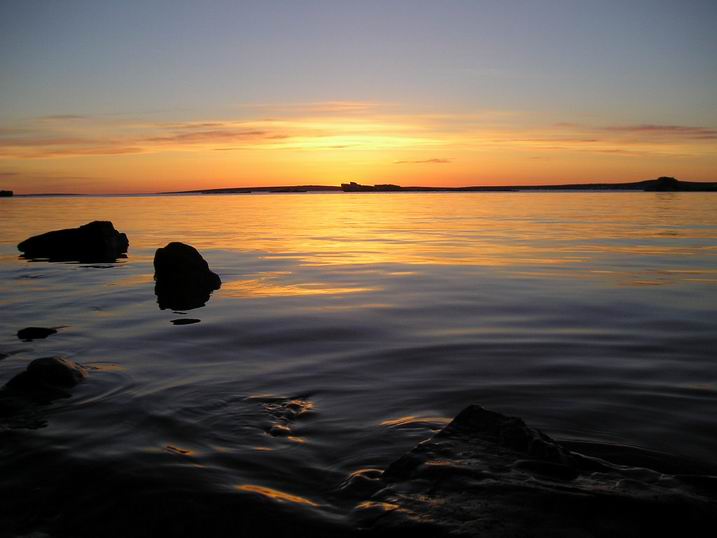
<point>673,131</point>
<point>64,117</point>
<point>344,125</point>
<point>320,107</point>
<point>229,135</point>
<point>425,161</point>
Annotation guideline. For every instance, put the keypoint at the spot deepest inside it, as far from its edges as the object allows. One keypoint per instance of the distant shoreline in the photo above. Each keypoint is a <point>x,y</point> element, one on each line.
<point>662,184</point>
<point>659,184</point>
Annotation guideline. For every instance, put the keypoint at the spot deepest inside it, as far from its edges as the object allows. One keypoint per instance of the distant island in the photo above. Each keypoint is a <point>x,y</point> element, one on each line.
<point>661,184</point>
<point>248,190</point>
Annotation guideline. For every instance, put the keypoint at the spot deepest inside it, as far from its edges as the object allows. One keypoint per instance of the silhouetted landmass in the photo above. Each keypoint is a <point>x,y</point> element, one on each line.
<point>183,278</point>
<point>6,194</point>
<point>50,194</point>
<point>487,474</point>
<point>248,190</point>
<point>96,241</point>
<point>659,184</point>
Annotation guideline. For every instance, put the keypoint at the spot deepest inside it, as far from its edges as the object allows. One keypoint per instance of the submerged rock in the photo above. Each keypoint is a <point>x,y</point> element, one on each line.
<point>43,381</point>
<point>96,241</point>
<point>490,475</point>
<point>48,373</point>
<point>183,278</point>
<point>35,333</point>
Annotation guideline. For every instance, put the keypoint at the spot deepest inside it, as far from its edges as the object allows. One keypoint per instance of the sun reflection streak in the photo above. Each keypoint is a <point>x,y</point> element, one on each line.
<point>276,495</point>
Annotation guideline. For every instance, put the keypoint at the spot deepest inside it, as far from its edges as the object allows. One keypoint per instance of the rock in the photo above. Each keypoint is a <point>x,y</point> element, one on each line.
<point>97,241</point>
<point>185,321</point>
<point>181,264</point>
<point>183,278</point>
<point>490,475</point>
<point>48,372</point>
<point>35,333</point>
<point>43,381</point>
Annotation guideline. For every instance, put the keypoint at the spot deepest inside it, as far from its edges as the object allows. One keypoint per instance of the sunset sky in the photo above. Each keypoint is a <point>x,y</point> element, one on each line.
<point>117,97</point>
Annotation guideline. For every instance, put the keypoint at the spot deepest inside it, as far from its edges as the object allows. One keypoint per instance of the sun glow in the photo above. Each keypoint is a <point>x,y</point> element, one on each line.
<point>374,143</point>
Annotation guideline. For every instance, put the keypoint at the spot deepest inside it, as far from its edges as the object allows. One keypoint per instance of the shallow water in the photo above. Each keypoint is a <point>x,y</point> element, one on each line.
<point>351,326</point>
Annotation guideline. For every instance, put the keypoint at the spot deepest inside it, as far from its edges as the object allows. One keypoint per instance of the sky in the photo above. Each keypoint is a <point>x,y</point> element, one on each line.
<point>161,95</point>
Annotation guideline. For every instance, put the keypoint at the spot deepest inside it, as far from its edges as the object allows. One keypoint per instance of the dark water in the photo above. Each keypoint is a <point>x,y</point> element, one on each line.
<point>350,327</point>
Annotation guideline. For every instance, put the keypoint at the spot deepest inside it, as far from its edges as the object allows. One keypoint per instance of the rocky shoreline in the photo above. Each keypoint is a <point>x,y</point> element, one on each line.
<point>487,474</point>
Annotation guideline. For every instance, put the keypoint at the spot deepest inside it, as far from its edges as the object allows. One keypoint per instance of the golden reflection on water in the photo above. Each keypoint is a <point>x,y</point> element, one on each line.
<point>276,495</point>
<point>412,419</point>
<point>558,230</point>
<point>266,287</point>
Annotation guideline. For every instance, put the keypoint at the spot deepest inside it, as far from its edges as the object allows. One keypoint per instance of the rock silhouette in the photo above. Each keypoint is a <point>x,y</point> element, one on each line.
<point>97,241</point>
<point>183,278</point>
<point>35,333</point>
<point>185,321</point>
<point>43,381</point>
<point>487,474</point>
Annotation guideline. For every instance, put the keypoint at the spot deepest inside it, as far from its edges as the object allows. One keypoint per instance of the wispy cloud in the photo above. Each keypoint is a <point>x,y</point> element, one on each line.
<point>64,117</point>
<point>320,107</point>
<point>671,131</point>
<point>344,126</point>
<point>425,161</point>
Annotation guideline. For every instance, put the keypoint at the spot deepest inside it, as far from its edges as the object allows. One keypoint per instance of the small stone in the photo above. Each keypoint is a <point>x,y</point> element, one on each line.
<point>35,333</point>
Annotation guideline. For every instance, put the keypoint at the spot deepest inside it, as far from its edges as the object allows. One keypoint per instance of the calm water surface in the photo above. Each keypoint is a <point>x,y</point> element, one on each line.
<point>351,326</point>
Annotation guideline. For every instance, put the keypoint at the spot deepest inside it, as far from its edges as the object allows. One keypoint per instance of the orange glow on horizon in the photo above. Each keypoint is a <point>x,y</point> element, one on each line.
<point>327,146</point>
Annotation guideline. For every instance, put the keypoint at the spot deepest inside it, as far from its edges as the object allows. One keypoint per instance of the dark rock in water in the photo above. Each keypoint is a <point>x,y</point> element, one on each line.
<point>489,475</point>
<point>97,241</point>
<point>183,278</point>
<point>185,321</point>
<point>43,381</point>
<point>48,373</point>
<point>181,264</point>
<point>35,333</point>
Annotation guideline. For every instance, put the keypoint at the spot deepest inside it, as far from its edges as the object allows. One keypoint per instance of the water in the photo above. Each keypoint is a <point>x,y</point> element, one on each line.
<point>349,327</point>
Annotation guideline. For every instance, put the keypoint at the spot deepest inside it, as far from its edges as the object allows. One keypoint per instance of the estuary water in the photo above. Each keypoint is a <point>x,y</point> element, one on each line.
<point>348,328</point>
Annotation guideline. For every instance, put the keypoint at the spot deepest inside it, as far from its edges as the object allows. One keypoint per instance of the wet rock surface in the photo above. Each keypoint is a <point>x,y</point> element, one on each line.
<point>43,381</point>
<point>486,474</point>
<point>35,333</point>
<point>97,241</point>
<point>183,278</point>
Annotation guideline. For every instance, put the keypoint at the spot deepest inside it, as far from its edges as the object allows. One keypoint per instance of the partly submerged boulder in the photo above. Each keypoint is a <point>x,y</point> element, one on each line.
<point>489,475</point>
<point>48,373</point>
<point>96,241</point>
<point>183,278</point>
<point>43,381</point>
